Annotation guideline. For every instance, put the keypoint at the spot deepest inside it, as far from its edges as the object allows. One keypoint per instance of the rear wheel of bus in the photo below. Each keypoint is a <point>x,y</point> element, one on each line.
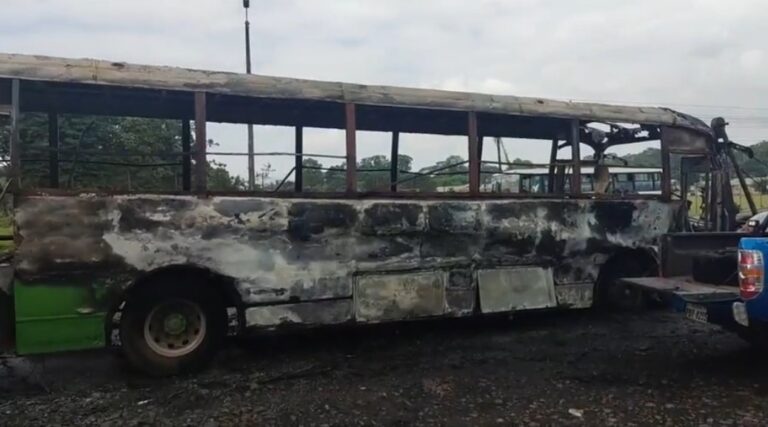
<point>172,328</point>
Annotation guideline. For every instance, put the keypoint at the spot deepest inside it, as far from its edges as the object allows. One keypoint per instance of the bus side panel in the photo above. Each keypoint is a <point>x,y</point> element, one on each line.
<point>54,317</point>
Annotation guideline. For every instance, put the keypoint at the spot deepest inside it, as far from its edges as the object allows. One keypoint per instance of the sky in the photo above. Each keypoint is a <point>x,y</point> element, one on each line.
<point>704,57</point>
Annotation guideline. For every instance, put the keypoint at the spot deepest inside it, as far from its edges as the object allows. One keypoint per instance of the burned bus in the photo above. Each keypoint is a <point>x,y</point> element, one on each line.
<point>165,276</point>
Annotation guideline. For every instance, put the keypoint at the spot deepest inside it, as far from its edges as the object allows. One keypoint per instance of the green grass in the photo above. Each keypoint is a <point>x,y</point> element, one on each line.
<point>761,203</point>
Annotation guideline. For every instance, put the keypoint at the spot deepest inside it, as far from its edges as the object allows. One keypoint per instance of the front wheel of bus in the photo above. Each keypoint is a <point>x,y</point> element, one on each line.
<point>172,329</point>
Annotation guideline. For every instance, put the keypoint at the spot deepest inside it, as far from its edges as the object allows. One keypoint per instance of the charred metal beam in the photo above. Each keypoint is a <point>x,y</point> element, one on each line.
<point>53,146</point>
<point>552,160</point>
<point>666,168</point>
<point>480,149</point>
<point>474,160</point>
<point>201,141</point>
<point>393,162</point>
<point>15,152</point>
<point>574,138</point>
<point>186,159</point>
<point>298,182</point>
<point>351,129</point>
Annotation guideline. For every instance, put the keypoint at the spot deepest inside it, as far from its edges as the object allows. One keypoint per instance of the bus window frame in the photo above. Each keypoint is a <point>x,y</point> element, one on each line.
<point>201,110</point>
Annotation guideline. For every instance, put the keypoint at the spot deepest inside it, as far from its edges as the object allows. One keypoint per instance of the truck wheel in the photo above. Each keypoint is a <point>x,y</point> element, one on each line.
<point>169,329</point>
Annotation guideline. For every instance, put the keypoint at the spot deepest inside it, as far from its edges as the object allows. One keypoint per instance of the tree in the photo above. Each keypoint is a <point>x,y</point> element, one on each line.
<point>335,178</point>
<point>109,153</point>
<point>451,172</point>
<point>313,179</point>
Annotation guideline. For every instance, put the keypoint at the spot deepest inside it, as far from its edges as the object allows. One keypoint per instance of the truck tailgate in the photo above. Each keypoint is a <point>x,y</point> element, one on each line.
<point>685,288</point>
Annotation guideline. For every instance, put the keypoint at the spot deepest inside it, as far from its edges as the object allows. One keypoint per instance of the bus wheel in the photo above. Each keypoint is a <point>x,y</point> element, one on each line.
<point>169,329</point>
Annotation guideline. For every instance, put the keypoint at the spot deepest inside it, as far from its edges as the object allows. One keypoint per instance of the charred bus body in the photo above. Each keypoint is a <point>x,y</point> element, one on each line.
<point>166,269</point>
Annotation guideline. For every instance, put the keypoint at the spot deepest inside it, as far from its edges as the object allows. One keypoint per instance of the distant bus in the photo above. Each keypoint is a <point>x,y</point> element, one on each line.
<point>634,180</point>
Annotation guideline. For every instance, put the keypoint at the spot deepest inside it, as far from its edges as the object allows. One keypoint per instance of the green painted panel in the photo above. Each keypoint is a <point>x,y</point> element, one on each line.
<point>57,317</point>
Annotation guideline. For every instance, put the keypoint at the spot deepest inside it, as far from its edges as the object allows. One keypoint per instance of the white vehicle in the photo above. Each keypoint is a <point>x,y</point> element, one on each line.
<point>634,180</point>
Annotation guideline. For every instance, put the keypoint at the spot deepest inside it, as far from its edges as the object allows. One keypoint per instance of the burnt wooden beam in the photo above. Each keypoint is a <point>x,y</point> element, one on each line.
<point>15,152</point>
<point>186,160</point>
<point>351,128</point>
<point>574,139</point>
<point>201,142</point>
<point>474,159</point>
<point>53,147</point>
<point>394,160</point>
<point>298,183</point>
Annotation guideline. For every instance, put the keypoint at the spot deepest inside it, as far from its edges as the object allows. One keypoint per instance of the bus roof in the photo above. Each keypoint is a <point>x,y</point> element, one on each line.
<point>79,85</point>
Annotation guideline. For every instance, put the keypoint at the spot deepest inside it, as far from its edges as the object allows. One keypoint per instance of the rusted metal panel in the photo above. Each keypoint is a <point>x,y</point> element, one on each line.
<point>98,72</point>
<point>380,298</point>
<point>351,133</point>
<point>575,295</point>
<point>474,161</point>
<point>201,143</point>
<point>315,313</point>
<point>519,288</point>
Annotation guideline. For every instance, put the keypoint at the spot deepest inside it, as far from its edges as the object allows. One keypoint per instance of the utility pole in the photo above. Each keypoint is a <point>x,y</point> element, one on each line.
<point>251,166</point>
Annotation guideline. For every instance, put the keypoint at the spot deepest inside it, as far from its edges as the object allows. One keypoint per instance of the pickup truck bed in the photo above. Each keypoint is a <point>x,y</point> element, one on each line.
<point>685,288</point>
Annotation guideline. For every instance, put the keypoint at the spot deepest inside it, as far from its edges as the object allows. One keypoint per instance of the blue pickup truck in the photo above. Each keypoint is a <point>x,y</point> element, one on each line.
<point>716,278</point>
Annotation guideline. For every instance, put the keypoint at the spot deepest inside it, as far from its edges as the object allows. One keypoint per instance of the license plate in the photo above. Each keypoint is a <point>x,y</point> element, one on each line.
<point>696,312</point>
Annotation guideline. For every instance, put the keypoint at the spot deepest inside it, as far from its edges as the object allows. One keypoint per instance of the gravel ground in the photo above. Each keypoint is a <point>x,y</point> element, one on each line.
<point>580,368</point>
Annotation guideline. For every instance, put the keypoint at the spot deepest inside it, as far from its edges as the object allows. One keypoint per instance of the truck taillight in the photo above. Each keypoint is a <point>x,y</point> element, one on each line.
<point>751,273</point>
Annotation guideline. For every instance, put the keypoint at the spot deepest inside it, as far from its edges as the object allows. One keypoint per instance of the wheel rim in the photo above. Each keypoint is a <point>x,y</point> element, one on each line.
<point>175,328</point>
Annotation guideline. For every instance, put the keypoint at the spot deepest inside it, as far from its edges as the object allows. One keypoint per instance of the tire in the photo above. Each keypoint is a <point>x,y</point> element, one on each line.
<point>172,328</point>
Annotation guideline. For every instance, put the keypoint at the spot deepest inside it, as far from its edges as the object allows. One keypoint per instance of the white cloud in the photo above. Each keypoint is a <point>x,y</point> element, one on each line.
<point>693,52</point>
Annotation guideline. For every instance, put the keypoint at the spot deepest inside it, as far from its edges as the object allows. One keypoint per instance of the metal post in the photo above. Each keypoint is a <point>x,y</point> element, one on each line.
<point>666,168</point>
<point>351,148</point>
<point>15,152</point>
<point>251,159</point>
<point>552,161</point>
<point>53,146</point>
<point>393,162</point>
<point>498,152</point>
<point>298,184</point>
<point>575,141</point>
<point>742,182</point>
<point>186,160</point>
<point>201,141</point>
<point>474,160</point>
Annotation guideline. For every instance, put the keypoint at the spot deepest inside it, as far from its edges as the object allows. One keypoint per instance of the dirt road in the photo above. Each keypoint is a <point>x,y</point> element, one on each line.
<point>566,369</point>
